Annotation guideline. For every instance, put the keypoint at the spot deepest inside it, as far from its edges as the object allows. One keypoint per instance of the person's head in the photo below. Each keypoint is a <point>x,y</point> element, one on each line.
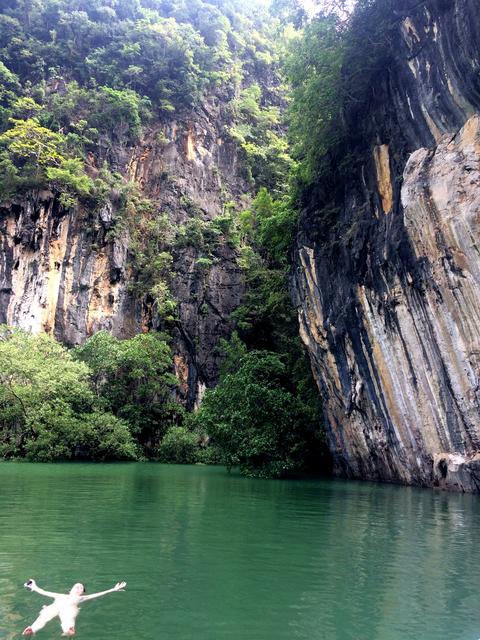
<point>77,590</point>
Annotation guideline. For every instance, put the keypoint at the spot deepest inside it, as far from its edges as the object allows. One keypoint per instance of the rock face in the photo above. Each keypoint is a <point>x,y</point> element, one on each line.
<point>389,299</point>
<point>70,273</point>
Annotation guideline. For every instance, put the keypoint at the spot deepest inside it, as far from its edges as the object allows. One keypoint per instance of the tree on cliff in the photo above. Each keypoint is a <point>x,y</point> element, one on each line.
<point>133,380</point>
<point>258,423</point>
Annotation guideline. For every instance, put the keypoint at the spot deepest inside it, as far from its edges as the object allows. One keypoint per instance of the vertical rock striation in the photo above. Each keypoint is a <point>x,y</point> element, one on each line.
<point>70,273</point>
<point>389,298</point>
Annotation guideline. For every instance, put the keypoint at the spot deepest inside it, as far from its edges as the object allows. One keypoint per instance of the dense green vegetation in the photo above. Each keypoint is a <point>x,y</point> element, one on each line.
<point>132,379</point>
<point>87,76</point>
<point>48,407</point>
<point>259,421</point>
<point>333,65</point>
<point>109,399</point>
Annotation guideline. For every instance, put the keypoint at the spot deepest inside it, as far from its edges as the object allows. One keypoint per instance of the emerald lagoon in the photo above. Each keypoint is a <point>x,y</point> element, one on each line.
<point>210,555</point>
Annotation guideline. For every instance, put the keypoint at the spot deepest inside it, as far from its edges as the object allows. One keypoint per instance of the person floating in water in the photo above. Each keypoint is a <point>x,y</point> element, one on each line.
<point>65,606</point>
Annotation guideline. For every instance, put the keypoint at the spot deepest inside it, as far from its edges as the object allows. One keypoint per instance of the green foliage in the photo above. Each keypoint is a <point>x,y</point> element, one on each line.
<point>25,107</point>
<point>83,80</point>
<point>332,65</point>
<point>47,408</point>
<point>209,454</point>
<point>259,135</point>
<point>70,175</point>
<point>233,351</point>
<point>267,324</point>
<point>266,318</point>
<point>256,420</point>
<point>178,446</point>
<point>165,304</point>
<point>204,263</point>
<point>9,178</point>
<point>96,436</point>
<point>272,226</point>
<point>132,380</point>
<point>151,238</point>
<point>8,79</point>
<point>206,235</point>
<point>30,143</point>
<point>119,112</point>
<point>9,88</point>
<point>289,11</point>
<point>172,52</point>
<point>314,69</point>
<point>164,60</point>
<point>99,116</point>
<point>32,155</point>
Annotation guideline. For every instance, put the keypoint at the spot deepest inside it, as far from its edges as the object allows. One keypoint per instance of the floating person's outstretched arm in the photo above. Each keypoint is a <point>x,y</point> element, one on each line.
<point>120,586</point>
<point>65,606</point>
<point>32,585</point>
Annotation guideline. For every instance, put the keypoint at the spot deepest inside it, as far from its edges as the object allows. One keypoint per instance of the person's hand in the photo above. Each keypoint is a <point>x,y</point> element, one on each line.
<point>30,584</point>
<point>120,586</point>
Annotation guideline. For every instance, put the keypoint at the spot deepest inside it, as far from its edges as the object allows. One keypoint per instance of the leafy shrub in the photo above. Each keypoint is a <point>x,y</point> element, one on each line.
<point>48,410</point>
<point>96,436</point>
<point>132,379</point>
<point>178,446</point>
<point>204,263</point>
<point>256,420</point>
<point>210,454</point>
<point>70,174</point>
<point>105,437</point>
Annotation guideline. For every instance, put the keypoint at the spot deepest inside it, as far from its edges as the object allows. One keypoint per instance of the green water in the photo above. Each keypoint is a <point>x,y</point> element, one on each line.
<point>209,556</point>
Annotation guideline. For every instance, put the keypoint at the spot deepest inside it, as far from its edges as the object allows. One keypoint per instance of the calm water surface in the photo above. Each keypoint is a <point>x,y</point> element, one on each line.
<point>211,556</point>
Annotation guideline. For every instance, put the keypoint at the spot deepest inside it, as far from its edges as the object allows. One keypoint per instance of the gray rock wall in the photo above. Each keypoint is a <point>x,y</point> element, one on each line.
<point>389,298</point>
<point>68,272</point>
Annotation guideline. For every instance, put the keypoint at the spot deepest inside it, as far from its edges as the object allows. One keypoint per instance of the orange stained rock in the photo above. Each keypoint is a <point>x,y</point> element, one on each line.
<point>56,257</point>
<point>381,156</point>
<point>190,146</point>
<point>99,306</point>
<point>181,372</point>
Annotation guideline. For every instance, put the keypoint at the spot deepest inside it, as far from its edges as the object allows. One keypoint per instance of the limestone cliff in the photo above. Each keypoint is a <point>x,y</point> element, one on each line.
<point>389,296</point>
<point>69,272</point>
